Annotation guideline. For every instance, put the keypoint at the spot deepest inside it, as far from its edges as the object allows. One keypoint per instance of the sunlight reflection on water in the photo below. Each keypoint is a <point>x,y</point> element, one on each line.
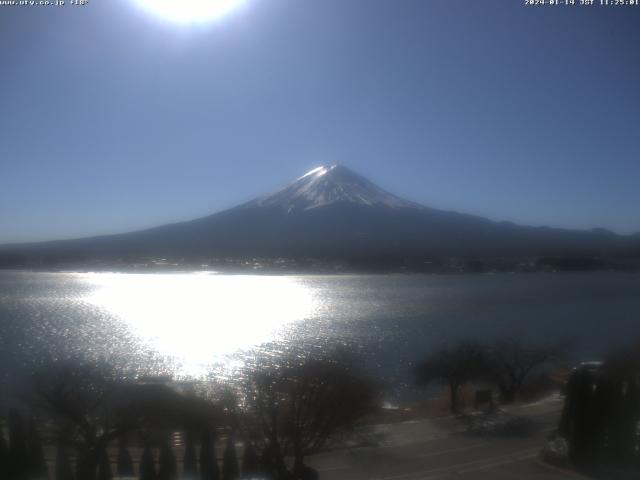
<point>197,318</point>
<point>223,325</point>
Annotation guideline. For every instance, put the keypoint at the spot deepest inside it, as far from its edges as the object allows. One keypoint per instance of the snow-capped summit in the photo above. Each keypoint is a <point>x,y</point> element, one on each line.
<point>327,185</point>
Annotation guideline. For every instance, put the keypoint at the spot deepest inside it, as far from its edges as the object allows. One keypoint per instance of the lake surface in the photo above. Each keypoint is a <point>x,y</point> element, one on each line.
<point>392,321</point>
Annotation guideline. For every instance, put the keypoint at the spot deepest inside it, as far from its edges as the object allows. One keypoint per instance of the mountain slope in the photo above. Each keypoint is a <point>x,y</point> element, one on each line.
<point>332,212</point>
<point>328,185</point>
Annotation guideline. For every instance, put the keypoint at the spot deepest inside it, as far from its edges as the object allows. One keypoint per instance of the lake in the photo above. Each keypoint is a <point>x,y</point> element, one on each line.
<point>202,319</point>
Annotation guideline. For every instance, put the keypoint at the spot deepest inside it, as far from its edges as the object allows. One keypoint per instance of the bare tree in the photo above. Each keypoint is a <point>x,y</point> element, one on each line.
<point>81,401</point>
<point>453,367</point>
<point>301,407</point>
<point>511,362</point>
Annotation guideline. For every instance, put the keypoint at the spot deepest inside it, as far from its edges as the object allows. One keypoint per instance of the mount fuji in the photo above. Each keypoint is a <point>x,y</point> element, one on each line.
<point>332,212</point>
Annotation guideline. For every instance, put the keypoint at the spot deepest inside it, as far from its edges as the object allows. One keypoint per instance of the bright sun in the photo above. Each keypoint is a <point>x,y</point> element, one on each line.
<point>189,11</point>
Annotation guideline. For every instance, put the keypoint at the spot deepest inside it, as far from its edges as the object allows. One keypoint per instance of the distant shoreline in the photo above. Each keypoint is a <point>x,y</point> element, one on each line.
<point>293,272</point>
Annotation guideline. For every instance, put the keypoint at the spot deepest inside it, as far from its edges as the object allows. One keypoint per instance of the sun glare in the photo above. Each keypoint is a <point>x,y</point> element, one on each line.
<point>198,318</point>
<point>190,11</point>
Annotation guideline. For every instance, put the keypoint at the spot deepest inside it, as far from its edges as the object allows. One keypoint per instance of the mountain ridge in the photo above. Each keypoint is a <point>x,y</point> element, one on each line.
<point>332,212</point>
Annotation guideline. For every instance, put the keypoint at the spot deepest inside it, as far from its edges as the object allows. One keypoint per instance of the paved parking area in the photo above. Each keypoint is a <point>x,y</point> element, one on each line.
<point>442,449</point>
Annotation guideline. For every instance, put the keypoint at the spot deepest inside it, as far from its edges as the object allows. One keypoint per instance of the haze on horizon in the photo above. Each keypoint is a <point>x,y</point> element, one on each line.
<point>114,120</point>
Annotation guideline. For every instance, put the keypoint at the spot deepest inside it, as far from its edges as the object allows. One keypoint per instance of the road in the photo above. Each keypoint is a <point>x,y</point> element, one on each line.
<point>442,449</point>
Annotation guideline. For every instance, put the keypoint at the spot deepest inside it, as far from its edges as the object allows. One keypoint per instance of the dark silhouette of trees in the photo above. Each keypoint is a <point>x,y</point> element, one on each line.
<point>300,407</point>
<point>86,463</point>
<point>506,363</point>
<point>510,362</point>
<point>147,465</point>
<point>167,466</point>
<point>208,462</point>
<point>272,463</point>
<point>602,412</point>
<point>124,462</point>
<point>230,467</point>
<point>18,451</point>
<point>4,456</point>
<point>304,472</point>
<point>250,462</point>
<point>104,465</point>
<point>37,462</point>
<point>453,367</point>
<point>583,415</point>
<point>190,460</point>
<point>83,401</point>
<point>63,470</point>
<point>92,405</point>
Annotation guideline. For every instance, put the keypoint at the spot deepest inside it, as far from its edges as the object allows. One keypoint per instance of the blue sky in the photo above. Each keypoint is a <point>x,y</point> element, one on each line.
<point>112,120</point>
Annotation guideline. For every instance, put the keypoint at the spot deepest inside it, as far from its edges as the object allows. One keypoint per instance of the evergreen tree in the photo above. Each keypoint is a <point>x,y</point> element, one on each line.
<point>104,465</point>
<point>63,470</point>
<point>190,461</point>
<point>250,462</point>
<point>4,456</point>
<point>267,462</point>
<point>167,468</point>
<point>272,464</point>
<point>18,453</point>
<point>230,468</point>
<point>37,462</point>
<point>580,436</point>
<point>86,463</point>
<point>208,461</point>
<point>124,462</point>
<point>147,465</point>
